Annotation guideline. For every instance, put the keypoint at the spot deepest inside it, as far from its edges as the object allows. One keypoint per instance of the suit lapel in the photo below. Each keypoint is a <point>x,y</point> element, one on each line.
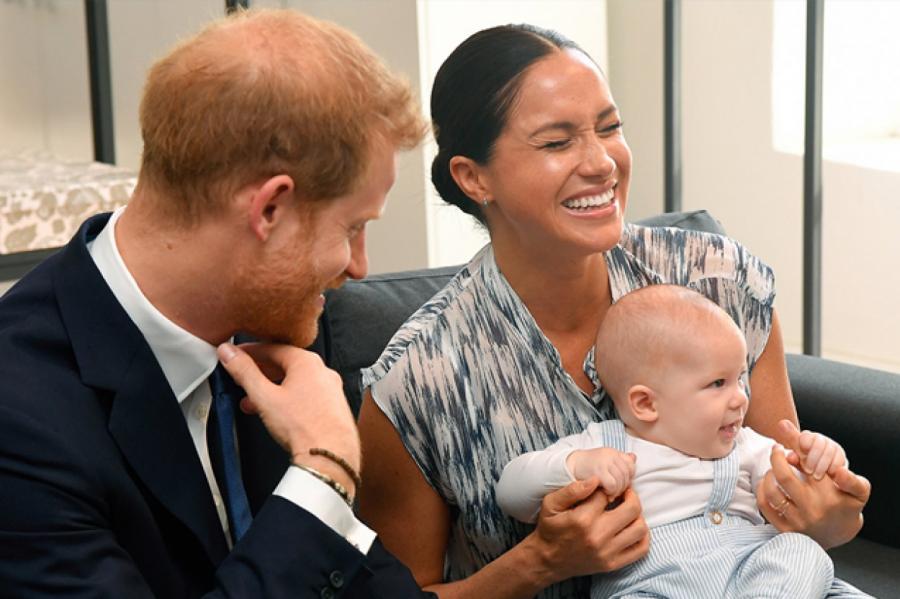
<point>151,432</point>
<point>145,419</point>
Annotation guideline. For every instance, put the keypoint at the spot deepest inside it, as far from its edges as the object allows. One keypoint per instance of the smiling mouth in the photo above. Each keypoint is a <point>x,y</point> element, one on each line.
<point>731,430</point>
<point>592,202</point>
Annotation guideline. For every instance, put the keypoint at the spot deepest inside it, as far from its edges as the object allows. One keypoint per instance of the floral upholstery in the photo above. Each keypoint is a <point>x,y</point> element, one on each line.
<point>43,200</point>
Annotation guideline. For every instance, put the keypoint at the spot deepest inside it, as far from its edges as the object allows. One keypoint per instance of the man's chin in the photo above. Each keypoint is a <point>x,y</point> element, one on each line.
<point>300,338</point>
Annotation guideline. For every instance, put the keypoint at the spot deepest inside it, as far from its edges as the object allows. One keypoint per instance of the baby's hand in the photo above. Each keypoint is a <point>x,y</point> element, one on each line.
<point>614,468</point>
<point>818,454</point>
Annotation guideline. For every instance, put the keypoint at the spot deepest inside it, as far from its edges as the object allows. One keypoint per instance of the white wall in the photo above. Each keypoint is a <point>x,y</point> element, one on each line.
<point>732,168</point>
<point>140,32</point>
<point>635,76</point>
<point>44,93</point>
<point>730,164</point>
<point>44,97</point>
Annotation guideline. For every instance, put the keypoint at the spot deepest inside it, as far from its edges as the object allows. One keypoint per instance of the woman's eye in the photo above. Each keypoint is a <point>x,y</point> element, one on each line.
<point>555,145</point>
<point>610,129</point>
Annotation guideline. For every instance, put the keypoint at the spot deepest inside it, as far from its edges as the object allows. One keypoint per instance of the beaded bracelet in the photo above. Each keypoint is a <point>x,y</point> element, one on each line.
<point>344,464</point>
<point>338,487</point>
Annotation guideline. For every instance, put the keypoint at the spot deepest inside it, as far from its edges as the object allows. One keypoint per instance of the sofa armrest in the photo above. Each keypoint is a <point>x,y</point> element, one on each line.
<point>860,409</point>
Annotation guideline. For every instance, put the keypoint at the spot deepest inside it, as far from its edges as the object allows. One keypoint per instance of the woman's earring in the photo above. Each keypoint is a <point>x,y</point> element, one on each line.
<point>484,202</point>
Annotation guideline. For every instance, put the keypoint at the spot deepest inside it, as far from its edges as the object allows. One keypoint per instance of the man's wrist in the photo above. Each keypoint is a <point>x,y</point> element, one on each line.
<point>352,472</point>
<point>328,468</point>
<point>335,485</point>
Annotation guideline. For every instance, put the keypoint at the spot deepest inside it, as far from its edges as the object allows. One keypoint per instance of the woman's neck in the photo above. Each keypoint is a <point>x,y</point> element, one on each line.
<point>563,293</point>
<point>566,295</point>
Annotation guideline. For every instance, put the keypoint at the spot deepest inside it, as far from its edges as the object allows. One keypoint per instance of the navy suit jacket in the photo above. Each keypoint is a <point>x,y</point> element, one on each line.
<point>101,490</point>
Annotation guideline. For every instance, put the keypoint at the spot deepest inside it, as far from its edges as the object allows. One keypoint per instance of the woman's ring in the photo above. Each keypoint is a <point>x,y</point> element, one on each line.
<point>781,507</point>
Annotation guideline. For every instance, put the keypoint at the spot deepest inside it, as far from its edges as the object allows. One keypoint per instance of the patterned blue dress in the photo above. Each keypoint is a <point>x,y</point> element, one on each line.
<point>470,381</point>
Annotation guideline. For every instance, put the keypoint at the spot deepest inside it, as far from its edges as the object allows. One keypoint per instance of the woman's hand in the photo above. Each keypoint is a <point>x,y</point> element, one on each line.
<point>829,510</point>
<point>577,535</point>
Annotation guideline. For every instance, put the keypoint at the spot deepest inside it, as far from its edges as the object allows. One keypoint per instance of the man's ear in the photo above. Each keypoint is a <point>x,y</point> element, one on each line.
<point>467,174</point>
<point>270,202</point>
<point>642,401</point>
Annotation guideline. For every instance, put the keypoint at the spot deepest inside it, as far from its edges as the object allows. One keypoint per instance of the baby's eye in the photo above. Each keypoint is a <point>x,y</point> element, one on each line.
<point>717,383</point>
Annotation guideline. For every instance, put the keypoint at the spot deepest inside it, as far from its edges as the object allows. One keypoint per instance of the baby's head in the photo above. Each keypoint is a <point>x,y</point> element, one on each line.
<point>675,366</point>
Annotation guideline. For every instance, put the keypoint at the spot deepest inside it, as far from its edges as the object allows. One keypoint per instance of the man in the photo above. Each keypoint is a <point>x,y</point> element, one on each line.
<point>269,142</point>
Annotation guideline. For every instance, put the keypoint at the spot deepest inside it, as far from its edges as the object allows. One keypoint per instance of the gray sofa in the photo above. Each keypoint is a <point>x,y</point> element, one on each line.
<point>858,407</point>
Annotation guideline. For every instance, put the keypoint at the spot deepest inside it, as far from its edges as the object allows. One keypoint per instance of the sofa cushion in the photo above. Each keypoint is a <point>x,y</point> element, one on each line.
<point>362,316</point>
<point>860,409</point>
<point>872,567</point>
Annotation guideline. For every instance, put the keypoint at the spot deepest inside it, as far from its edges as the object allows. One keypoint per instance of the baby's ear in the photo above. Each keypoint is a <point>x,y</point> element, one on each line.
<point>642,401</point>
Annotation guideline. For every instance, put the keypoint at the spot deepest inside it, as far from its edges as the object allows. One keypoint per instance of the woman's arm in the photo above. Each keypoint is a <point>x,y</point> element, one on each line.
<point>411,519</point>
<point>829,511</point>
<point>575,534</point>
<point>771,399</point>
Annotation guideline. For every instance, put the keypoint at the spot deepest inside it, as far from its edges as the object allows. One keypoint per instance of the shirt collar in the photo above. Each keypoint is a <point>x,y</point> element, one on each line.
<point>185,359</point>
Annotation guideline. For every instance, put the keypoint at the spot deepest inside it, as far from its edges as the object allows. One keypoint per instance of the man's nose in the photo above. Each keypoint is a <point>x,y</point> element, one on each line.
<point>358,266</point>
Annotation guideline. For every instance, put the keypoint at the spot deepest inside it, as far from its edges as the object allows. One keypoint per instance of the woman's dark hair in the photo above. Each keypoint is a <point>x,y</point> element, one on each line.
<point>472,95</point>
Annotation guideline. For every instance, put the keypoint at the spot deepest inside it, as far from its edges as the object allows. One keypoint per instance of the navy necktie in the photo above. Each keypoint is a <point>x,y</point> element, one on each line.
<point>225,393</point>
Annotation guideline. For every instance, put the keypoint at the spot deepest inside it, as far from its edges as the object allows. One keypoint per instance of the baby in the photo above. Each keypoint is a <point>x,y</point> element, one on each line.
<point>675,365</point>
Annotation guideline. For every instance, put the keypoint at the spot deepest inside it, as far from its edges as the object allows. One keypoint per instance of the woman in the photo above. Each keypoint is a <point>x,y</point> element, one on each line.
<point>498,363</point>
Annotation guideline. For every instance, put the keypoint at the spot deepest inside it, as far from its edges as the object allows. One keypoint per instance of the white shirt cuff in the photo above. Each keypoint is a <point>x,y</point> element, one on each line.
<point>306,491</point>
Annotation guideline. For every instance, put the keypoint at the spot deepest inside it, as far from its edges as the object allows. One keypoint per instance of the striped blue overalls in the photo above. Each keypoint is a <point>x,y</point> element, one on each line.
<point>716,555</point>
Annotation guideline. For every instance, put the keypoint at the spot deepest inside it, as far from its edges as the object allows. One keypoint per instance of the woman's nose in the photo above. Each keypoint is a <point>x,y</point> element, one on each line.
<point>596,161</point>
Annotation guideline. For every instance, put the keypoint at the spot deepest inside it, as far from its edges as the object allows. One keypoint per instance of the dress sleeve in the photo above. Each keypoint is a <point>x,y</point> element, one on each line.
<point>406,398</point>
<point>754,301</point>
<point>719,267</point>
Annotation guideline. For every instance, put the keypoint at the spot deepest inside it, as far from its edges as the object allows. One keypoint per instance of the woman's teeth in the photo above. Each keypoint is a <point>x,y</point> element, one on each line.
<point>597,201</point>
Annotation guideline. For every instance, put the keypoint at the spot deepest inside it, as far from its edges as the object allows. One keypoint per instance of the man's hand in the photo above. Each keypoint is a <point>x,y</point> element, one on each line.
<point>613,468</point>
<point>306,409</point>
<point>576,535</point>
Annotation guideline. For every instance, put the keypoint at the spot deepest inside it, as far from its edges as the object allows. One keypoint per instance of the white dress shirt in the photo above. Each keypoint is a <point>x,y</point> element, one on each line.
<point>187,361</point>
